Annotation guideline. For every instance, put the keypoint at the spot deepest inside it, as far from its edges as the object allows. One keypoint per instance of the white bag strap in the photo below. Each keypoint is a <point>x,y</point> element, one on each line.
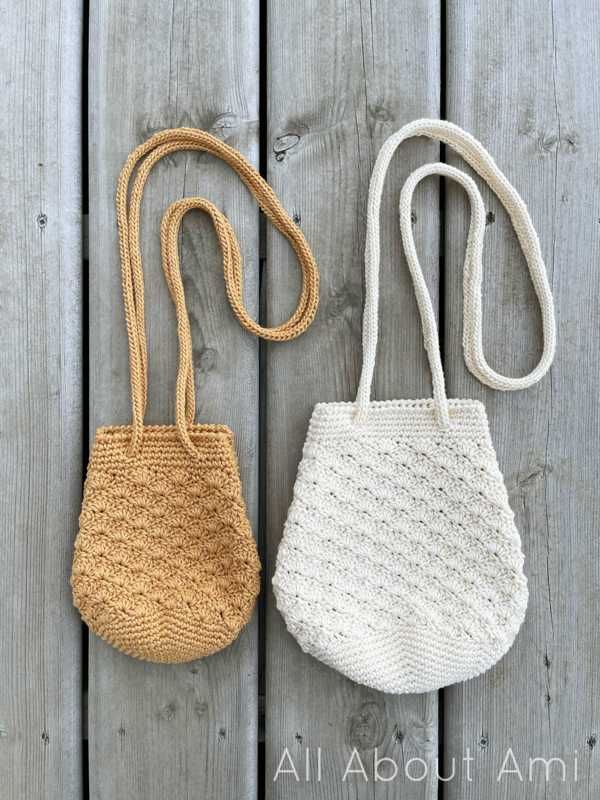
<point>480,160</point>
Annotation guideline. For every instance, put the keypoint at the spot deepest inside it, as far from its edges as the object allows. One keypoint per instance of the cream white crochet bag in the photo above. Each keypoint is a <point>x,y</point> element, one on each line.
<point>400,564</point>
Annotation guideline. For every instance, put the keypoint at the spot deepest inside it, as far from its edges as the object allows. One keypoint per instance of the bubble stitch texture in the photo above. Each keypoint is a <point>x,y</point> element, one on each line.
<point>165,565</point>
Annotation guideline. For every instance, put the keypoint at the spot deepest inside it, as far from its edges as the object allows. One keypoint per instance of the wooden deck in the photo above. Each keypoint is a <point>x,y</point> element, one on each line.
<point>308,91</point>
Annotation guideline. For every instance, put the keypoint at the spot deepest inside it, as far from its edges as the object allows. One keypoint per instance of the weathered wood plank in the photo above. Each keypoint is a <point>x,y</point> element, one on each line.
<point>341,78</point>
<point>523,77</point>
<point>189,730</point>
<point>40,398</point>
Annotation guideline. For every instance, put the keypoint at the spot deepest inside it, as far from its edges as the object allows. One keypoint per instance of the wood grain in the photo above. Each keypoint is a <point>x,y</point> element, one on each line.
<point>189,730</point>
<point>40,398</point>
<point>341,78</point>
<point>523,77</point>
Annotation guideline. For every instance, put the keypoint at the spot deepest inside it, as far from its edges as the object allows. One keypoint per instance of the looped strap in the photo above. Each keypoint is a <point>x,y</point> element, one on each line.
<point>480,160</point>
<point>185,395</point>
<point>128,201</point>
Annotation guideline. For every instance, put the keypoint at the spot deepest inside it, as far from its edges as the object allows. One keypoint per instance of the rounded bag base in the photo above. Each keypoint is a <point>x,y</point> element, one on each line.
<point>165,567</point>
<point>409,659</point>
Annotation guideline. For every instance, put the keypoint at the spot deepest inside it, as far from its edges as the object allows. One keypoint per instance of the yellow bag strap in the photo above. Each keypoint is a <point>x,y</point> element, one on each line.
<point>185,393</point>
<point>128,202</point>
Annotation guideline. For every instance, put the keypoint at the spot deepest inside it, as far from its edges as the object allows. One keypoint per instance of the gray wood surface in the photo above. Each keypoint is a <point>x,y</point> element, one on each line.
<point>40,398</point>
<point>341,77</point>
<point>523,78</point>
<point>182,731</point>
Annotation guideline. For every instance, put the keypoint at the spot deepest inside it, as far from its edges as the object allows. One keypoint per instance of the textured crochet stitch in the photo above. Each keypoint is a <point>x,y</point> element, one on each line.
<point>165,565</point>
<point>400,563</point>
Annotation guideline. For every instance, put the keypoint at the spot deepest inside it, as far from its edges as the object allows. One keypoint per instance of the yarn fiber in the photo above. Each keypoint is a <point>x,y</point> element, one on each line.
<point>165,565</point>
<point>400,563</point>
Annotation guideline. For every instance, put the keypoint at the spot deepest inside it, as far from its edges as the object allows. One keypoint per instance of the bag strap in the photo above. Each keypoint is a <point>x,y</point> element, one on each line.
<point>185,393</point>
<point>128,201</point>
<point>481,161</point>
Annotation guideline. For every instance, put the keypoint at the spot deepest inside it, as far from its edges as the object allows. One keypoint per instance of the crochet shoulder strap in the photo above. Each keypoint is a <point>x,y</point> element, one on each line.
<point>185,392</point>
<point>128,201</point>
<point>481,161</point>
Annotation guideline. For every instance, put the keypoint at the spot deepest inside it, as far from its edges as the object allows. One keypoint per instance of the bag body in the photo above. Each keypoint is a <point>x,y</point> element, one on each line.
<point>165,565</point>
<point>400,563</point>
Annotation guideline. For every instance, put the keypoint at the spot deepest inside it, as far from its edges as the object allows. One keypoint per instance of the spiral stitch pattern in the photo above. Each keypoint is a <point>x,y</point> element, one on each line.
<point>165,565</point>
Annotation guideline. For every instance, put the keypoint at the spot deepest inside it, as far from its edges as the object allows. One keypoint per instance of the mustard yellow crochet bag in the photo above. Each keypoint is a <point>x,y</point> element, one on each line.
<point>165,566</point>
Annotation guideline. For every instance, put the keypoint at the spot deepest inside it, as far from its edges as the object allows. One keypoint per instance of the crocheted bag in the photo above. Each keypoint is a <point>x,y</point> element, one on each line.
<point>165,565</point>
<point>400,564</point>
